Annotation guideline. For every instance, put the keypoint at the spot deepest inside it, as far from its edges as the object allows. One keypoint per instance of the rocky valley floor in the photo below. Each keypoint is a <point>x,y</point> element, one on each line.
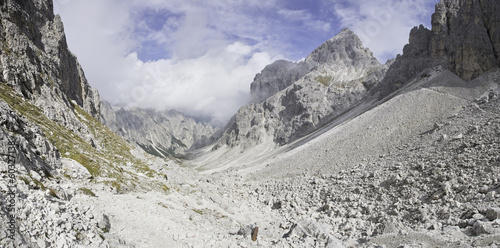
<point>336,151</point>
<point>440,189</point>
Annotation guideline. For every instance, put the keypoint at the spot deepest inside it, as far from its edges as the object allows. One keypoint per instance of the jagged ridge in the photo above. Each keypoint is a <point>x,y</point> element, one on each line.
<point>338,75</point>
<point>166,133</point>
<point>465,38</point>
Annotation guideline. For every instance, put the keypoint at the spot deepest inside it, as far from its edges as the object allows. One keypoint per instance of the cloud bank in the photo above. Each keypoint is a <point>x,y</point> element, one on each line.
<point>199,57</point>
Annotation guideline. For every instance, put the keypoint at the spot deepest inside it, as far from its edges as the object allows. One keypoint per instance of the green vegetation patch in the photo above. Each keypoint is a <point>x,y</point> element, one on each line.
<point>325,80</point>
<point>87,191</point>
<point>104,158</point>
<point>198,211</point>
<point>70,145</point>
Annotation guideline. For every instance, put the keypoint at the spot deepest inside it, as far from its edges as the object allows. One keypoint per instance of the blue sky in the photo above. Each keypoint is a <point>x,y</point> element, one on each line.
<point>200,57</point>
<point>305,24</point>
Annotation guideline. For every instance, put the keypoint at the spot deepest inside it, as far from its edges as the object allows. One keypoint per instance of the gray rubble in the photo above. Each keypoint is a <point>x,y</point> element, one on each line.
<point>340,152</point>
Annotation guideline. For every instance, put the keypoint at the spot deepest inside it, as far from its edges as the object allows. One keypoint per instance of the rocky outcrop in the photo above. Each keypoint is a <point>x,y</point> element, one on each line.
<point>342,71</point>
<point>35,208</point>
<point>33,40</point>
<point>164,133</point>
<point>466,34</point>
<point>51,141</point>
<point>465,38</point>
<point>276,77</point>
<point>36,63</point>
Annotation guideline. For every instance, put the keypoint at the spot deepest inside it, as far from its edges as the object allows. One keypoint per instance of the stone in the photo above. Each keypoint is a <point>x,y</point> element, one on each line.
<point>246,230</point>
<point>481,227</point>
<point>61,241</point>
<point>493,213</point>
<point>35,176</point>
<point>478,216</point>
<point>276,205</point>
<point>103,223</point>
<point>41,243</point>
<point>74,169</point>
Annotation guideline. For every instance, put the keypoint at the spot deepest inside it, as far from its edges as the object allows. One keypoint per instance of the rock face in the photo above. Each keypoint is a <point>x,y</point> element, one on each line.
<point>465,38</point>
<point>466,34</point>
<point>276,77</point>
<point>333,78</point>
<point>51,140</point>
<point>40,76</point>
<point>36,63</point>
<point>33,39</point>
<point>160,133</point>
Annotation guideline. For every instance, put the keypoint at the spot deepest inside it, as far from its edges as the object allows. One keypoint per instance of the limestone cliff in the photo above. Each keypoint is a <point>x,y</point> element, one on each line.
<point>465,38</point>
<point>466,34</point>
<point>338,75</point>
<point>35,59</point>
<point>51,140</point>
<point>276,77</point>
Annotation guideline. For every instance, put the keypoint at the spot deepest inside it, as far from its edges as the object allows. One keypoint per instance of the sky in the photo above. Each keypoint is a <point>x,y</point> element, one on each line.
<point>200,57</point>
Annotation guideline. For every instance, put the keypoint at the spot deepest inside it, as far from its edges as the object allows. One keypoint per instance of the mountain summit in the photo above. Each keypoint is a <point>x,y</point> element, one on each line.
<point>345,49</point>
<point>305,95</point>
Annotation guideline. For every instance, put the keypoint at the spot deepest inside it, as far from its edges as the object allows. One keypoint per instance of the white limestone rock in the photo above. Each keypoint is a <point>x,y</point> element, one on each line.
<point>74,169</point>
<point>339,73</point>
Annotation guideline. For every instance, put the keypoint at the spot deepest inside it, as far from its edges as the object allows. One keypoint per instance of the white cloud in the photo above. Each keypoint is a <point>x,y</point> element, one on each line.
<point>203,55</point>
<point>214,84</point>
<point>305,18</point>
<point>208,75</point>
<point>384,25</point>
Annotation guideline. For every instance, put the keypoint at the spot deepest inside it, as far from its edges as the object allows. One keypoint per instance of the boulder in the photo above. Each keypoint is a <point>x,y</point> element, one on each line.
<point>74,169</point>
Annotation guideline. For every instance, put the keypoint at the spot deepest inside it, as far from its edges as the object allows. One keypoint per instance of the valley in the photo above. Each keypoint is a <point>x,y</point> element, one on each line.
<point>337,150</point>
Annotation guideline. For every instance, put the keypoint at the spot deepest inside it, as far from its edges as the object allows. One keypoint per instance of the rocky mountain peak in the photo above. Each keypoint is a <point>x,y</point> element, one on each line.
<point>340,52</point>
<point>345,48</point>
<point>465,39</point>
<point>292,99</point>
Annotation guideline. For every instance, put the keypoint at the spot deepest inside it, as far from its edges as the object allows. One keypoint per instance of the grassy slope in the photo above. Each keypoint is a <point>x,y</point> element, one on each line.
<point>105,162</point>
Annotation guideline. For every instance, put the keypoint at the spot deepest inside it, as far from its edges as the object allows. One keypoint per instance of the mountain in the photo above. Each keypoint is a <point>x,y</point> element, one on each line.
<point>337,150</point>
<point>333,78</point>
<point>465,39</point>
<point>292,100</point>
<point>415,162</point>
<point>164,134</point>
<point>53,146</point>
